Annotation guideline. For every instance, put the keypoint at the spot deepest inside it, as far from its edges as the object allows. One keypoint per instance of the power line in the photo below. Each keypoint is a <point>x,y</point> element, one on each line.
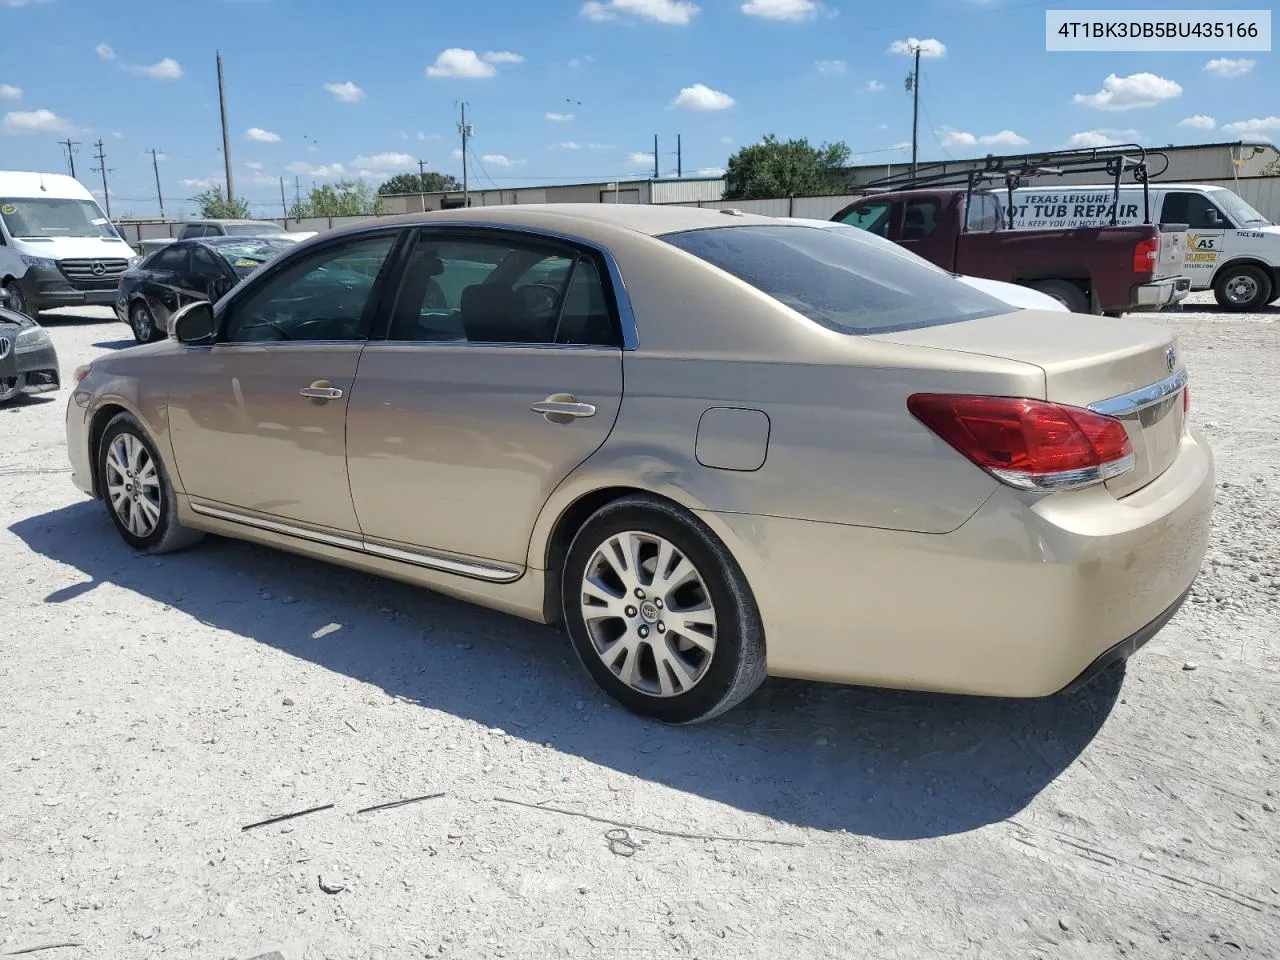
<point>102,168</point>
<point>71,153</point>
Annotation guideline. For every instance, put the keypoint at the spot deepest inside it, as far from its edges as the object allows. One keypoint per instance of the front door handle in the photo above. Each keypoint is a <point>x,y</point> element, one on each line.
<point>321,390</point>
<point>563,408</point>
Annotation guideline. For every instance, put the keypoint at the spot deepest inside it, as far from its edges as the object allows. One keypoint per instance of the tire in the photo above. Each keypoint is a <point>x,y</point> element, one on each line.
<point>154,529</point>
<point>11,387</point>
<point>18,298</point>
<point>1242,289</point>
<point>697,680</point>
<point>1067,294</point>
<point>143,323</point>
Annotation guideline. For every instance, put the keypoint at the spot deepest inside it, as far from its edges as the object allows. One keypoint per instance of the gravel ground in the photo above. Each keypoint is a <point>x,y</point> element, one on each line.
<point>154,707</point>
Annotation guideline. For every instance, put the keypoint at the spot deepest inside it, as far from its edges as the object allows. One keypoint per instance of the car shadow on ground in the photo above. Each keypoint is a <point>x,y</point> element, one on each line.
<point>878,763</point>
<point>27,400</point>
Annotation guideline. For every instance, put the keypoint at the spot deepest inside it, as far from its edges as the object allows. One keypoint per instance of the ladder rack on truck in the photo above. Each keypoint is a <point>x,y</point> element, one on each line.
<point>1115,161</point>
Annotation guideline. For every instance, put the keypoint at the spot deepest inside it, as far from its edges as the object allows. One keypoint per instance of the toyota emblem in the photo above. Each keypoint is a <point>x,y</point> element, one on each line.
<point>1171,359</point>
<point>99,268</point>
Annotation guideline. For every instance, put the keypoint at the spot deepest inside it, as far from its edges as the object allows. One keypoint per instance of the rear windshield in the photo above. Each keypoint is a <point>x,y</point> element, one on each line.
<point>845,285</point>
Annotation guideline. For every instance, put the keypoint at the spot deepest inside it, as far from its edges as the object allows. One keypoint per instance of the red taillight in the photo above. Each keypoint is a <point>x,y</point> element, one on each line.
<point>1029,444</point>
<point>1145,254</point>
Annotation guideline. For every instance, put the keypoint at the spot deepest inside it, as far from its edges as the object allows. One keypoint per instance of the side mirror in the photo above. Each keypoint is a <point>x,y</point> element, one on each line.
<point>194,323</point>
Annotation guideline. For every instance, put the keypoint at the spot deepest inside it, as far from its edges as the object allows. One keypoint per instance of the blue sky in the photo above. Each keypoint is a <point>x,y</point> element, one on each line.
<point>562,90</point>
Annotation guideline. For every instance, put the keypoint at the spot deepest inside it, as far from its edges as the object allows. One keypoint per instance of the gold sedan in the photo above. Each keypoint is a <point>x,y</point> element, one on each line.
<point>713,446</point>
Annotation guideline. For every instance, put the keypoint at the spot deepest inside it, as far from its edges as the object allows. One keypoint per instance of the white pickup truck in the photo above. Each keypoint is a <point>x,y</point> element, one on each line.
<point>228,228</point>
<point>1232,249</point>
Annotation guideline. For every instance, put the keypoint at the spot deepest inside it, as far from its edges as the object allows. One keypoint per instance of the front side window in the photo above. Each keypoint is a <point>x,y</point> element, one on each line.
<point>37,217</point>
<point>1195,210</point>
<point>1239,210</point>
<point>324,296</point>
<point>835,281</point>
<point>204,266</point>
<point>872,217</point>
<point>485,290</point>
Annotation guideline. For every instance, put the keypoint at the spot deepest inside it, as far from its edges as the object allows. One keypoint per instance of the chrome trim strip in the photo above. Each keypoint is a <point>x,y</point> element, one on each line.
<point>1067,479</point>
<point>477,571</point>
<point>1128,403</point>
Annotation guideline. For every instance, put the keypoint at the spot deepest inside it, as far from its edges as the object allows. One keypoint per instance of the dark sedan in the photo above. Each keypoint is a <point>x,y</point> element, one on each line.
<point>184,272</point>
<point>28,361</point>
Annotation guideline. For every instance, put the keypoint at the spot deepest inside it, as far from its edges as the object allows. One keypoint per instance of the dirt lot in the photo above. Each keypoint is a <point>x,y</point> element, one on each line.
<point>154,707</point>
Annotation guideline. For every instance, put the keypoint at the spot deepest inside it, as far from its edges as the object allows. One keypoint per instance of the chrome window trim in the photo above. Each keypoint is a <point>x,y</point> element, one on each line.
<point>1149,396</point>
<point>621,297</point>
<point>432,561</point>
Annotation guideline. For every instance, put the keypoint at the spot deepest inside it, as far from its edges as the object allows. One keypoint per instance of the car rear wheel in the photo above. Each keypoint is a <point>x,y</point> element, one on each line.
<point>1067,294</point>
<point>138,493</point>
<point>1242,288</point>
<point>660,613</point>
<point>143,323</point>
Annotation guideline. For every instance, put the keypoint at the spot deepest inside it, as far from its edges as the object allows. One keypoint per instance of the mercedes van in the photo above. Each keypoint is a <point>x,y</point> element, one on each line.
<point>1232,249</point>
<point>57,247</point>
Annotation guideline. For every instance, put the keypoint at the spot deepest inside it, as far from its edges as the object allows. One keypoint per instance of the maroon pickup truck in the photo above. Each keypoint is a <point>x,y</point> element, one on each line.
<point>1107,270</point>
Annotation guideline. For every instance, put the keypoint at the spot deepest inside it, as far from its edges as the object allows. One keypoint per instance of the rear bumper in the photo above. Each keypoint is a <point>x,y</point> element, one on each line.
<point>1020,601</point>
<point>1161,293</point>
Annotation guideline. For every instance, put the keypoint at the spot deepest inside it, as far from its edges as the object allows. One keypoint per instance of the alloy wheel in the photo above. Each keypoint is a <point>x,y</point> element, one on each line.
<point>649,614</point>
<point>143,325</point>
<point>133,485</point>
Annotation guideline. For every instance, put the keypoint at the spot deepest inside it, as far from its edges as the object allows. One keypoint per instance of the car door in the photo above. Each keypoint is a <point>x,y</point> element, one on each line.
<point>501,372</point>
<point>919,231</point>
<point>209,277</point>
<point>258,419</point>
<point>1207,228</point>
<point>161,285</point>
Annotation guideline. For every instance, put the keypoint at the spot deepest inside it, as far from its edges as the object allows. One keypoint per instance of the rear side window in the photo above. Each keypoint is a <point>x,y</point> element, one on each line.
<point>835,281</point>
<point>919,219</point>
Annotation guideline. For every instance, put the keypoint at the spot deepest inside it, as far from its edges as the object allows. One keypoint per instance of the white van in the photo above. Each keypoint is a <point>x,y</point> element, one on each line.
<point>1232,249</point>
<point>57,247</point>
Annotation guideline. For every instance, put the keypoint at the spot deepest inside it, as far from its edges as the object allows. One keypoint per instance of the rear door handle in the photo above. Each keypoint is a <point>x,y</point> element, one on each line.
<point>563,407</point>
<point>321,390</point>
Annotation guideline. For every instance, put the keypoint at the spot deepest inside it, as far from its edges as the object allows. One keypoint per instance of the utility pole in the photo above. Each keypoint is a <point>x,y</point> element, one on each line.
<point>71,153</point>
<point>466,132</point>
<point>226,134</point>
<point>913,85</point>
<point>297,192</point>
<point>284,204</point>
<point>655,156</point>
<point>679,159</point>
<point>102,168</point>
<point>155,165</point>
<point>422,184</point>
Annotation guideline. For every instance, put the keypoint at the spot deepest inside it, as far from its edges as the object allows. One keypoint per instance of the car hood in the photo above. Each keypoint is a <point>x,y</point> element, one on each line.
<point>76,248</point>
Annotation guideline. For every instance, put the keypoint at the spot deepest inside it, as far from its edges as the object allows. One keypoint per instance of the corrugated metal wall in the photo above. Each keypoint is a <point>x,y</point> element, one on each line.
<point>686,191</point>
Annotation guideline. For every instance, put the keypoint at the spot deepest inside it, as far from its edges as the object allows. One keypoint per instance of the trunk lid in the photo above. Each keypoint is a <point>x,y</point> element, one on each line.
<point>1171,254</point>
<point>1125,369</point>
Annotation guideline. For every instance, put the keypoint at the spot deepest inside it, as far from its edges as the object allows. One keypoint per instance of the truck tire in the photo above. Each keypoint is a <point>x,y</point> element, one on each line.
<point>1243,288</point>
<point>1065,292</point>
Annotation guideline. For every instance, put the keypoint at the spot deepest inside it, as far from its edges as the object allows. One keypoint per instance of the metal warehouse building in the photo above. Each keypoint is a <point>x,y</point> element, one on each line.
<point>683,190</point>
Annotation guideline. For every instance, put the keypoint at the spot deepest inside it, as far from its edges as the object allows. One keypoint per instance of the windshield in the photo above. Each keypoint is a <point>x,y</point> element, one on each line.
<point>245,256</point>
<point>252,229</point>
<point>1238,210</point>
<point>838,281</point>
<point>37,217</point>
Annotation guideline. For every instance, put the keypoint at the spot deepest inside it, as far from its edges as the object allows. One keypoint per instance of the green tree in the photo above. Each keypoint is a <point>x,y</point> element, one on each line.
<point>214,205</point>
<point>772,168</point>
<point>345,198</point>
<point>1272,169</point>
<point>430,182</point>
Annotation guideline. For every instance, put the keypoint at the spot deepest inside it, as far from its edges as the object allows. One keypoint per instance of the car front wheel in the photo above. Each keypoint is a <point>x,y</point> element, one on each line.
<point>136,488</point>
<point>1242,288</point>
<point>660,613</point>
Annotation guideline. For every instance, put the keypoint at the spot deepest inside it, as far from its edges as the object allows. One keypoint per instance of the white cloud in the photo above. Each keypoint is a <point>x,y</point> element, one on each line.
<point>1130,93</point>
<point>641,159</point>
<point>1102,138</point>
<point>1226,67</point>
<point>1201,121</point>
<point>203,183</point>
<point>456,62</point>
<point>166,69</point>
<point>701,97</point>
<point>347,92</point>
<point>253,166</point>
<point>677,12</point>
<point>386,161</point>
<point>577,62</point>
<point>904,145</point>
<point>303,168</point>
<point>9,92</point>
<point>258,135</point>
<point>831,68</point>
<point>36,121</point>
<point>929,49</point>
<point>558,117</point>
<point>781,9</point>
<point>105,52</point>
<point>1005,138</point>
<point>427,136</point>
<point>117,134</point>
<point>726,140</point>
<point>874,86</point>
<point>1257,125</point>
<point>456,153</point>
<point>499,160</point>
<point>568,145</point>
<point>503,56</point>
<point>711,172</point>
